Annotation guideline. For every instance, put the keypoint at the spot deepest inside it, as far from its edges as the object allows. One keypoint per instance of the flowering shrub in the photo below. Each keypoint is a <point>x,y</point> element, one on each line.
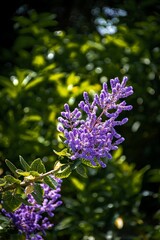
<point>90,136</point>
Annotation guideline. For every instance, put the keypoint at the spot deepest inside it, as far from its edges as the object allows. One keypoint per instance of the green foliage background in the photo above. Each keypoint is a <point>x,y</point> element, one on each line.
<point>48,66</point>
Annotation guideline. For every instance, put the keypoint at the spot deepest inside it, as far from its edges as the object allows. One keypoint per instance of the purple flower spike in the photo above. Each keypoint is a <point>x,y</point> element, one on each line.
<point>33,220</point>
<point>90,132</point>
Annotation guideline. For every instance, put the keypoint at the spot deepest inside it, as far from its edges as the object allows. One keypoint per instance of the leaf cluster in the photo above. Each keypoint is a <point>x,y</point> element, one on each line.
<point>14,189</point>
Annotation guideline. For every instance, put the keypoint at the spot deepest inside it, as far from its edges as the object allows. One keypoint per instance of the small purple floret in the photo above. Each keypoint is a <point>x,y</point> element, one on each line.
<point>90,129</point>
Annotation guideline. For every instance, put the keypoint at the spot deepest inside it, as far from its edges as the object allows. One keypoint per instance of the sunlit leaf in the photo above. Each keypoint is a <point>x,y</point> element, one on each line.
<point>2,182</point>
<point>58,165</point>
<point>78,184</point>
<point>62,90</point>
<point>34,83</point>
<point>37,165</point>
<point>56,76</point>
<point>22,173</point>
<point>24,164</point>
<point>31,118</point>
<point>34,173</point>
<point>88,163</point>
<point>62,153</point>
<point>117,153</point>
<point>38,60</point>
<point>73,79</point>
<point>64,172</point>
<point>49,67</point>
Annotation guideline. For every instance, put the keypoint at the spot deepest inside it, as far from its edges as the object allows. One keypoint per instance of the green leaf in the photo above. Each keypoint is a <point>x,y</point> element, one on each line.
<point>30,118</point>
<point>34,82</point>
<point>24,201</point>
<point>81,170</point>
<point>49,67</point>
<point>77,183</point>
<point>50,182</point>
<point>12,167</point>
<point>75,164</point>
<point>56,76</point>
<point>154,175</point>
<point>118,153</point>
<point>2,182</point>
<point>72,79</point>
<point>4,223</point>
<point>38,193</point>
<point>64,172</point>
<point>24,164</point>
<point>61,138</point>
<point>38,190</point>
<point>22,173</point>
<point>10,179</point>
<point>88,163</point>
<point>58,165</point>
<point>37,165</point>
<point>11,201</point>
<point>63,153</point>
<point>34,173</point>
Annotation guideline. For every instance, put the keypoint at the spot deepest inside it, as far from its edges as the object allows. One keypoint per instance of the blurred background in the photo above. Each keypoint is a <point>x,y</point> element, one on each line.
<point>51,51</point>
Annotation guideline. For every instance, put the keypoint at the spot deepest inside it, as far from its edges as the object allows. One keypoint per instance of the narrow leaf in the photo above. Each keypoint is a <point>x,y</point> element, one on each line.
<point>89,164</point>
<point>64,172</point>
<point>24,201</point>
<point>4,224</point>
<point>38,193</point>
<point>76,164</point>
<point>33,83</point>
<point>24,164</point>
<point>10,179</point>
<point>50,182</point>
<point>39,201</point>
<point>22,173</point>
<point>30,178</point>
<point>62,153</point>
<point>61,138</point>
<point>34,173</point>
<point>154,175</point>
<point>12,167</point>
<point>37,165</point>
<point>38,190</point>
<point>58,165</point>
<point>2,182</point>
<point>81,170</point>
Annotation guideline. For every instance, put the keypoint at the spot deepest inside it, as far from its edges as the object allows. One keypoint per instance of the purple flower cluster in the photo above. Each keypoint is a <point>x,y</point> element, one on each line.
<point>90,129</point>
<point>34,220</point>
